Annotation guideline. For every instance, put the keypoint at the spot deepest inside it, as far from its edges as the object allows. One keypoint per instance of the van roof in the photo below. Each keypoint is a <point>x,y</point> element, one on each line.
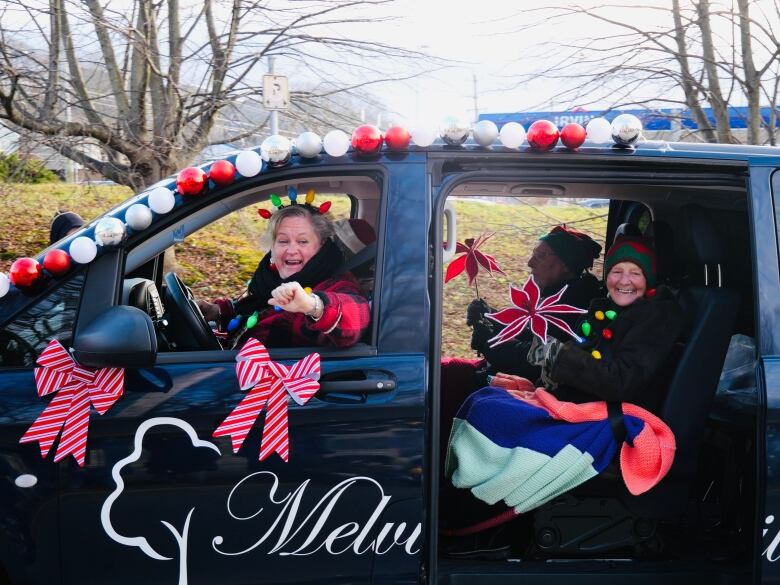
<point>647,148</point>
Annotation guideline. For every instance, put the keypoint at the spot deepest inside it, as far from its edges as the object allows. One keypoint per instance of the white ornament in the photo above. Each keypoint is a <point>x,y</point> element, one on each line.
<point>599,130</point>
<point>83,250</point>
<point>423,135</point>
<point>5,284</point>
<point>110,231</point>
<point>138,216</point>
<point>336,143</point>
<point>626,129</point>
<point>276,150</point>
<point>308,144</point>
<point>249,163</point>
<point>485,132</point>
<point>454,130</point>
<point>161,200</point>
<point>512,134</point>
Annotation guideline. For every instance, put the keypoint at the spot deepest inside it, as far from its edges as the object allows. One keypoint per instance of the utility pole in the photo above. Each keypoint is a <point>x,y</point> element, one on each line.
<point>276,95</point>
<point>476,104</point>
<point>274,113</point>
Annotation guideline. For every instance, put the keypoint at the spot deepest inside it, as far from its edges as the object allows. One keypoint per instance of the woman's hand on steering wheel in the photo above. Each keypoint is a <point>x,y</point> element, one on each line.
<point>210,310</point>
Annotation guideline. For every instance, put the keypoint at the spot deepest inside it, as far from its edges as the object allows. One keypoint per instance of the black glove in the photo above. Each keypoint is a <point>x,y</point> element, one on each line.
<point>544,355</point>
<point>483,328</point>
<point>476,311</point>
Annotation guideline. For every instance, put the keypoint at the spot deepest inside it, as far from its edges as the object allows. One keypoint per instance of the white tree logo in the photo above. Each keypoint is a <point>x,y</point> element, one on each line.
<point>116,473</point>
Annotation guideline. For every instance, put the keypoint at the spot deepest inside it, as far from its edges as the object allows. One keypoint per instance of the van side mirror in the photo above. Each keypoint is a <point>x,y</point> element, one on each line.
<point>119,337</point>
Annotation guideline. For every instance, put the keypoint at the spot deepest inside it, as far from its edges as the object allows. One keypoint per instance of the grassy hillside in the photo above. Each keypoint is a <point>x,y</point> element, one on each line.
<point>219,259</point>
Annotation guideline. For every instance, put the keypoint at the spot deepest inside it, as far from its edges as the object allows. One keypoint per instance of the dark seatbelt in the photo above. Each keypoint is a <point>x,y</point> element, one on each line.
<point>366,254</point>
<point>616,423</point>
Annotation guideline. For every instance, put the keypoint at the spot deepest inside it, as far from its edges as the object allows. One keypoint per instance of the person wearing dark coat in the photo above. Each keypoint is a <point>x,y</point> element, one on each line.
<point>624,354</point>
<point>561,258</point>
<point>627,338</point>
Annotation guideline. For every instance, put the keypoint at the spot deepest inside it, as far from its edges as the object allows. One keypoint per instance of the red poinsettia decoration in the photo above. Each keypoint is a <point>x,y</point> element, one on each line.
<point>472,259</point>
<point>530,308</point>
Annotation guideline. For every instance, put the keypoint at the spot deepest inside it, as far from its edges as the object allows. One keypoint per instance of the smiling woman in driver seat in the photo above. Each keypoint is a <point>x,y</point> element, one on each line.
<point>295,298</point>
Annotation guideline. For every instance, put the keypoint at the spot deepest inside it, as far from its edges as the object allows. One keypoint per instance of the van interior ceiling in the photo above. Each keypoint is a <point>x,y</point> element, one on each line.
<point>598,524</point>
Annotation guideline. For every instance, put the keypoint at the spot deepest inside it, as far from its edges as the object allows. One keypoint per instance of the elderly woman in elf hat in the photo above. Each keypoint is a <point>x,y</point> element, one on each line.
<point>561,258</point>
<point>295,297</point>
<point>627,337</point>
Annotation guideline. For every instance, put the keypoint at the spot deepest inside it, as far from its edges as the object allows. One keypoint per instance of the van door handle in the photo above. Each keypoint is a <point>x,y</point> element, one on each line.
<point>371,382</point>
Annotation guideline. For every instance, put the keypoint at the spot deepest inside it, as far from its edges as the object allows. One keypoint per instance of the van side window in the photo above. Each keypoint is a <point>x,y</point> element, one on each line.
<point>517,224</point>
<point>52,317</point>
<point>219,259</point>
<point>214,295</point>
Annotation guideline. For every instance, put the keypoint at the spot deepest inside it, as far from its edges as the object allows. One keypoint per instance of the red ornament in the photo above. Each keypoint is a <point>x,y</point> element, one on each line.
<point>542,135</point>
<point>222,172</point>
<point>606,334</point>
<point>56,262</point>
<point>397,138</point>
<point>264,213</point>
<point>650,293</point>
<point>25,272</point>
<point>191,181</point>
<point>367,139</point>
<point>573,135</point>
<point>325,207</point>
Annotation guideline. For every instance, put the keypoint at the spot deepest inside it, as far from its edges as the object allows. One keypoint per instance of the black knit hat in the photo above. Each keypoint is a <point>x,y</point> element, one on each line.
<point>575,249</point>
<point>62,224</point>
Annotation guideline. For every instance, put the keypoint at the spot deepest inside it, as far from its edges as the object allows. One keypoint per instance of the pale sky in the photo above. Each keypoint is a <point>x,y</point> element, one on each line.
<point>483,36</point>
<point>480,34</point>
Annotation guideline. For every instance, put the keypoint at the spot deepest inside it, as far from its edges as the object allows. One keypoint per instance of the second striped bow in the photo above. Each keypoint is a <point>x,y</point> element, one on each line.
<point>270,383</point>
<point>77,387</point>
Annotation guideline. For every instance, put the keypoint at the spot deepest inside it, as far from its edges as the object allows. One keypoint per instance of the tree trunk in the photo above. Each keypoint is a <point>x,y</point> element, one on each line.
<point>688,82</point>
<point>719,106</point>
<point>752,79</point>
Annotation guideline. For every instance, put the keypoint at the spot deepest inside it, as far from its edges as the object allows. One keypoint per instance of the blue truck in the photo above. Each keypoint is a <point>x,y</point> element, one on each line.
<point>160,500</point>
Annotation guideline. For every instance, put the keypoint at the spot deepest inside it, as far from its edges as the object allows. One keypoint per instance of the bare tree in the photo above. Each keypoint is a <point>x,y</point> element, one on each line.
<point>690,54</point>
<point>133,93</point>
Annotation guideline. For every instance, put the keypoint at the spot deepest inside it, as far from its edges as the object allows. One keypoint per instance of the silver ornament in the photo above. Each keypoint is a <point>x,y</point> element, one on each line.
<point>276,150</point>
<point>308,144</point>
<point>485,132</point>
<point>109,231</point>
<point>138,216</point>
<point>454,130</point>
<point>626,129</point>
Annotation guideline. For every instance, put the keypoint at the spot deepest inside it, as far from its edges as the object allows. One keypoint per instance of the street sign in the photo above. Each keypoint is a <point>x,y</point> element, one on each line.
<point>276,94</point>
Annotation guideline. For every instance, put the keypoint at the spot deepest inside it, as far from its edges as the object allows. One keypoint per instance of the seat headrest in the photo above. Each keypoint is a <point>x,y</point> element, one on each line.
<point>704,244</point>
<point>662,235</point>
<point>627,229</point>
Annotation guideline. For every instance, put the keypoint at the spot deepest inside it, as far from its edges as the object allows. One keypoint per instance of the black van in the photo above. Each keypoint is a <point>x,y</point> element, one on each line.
<point>160,500</point>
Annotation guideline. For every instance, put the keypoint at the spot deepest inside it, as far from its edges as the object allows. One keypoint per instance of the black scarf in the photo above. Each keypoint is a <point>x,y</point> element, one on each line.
<point>320,267</point>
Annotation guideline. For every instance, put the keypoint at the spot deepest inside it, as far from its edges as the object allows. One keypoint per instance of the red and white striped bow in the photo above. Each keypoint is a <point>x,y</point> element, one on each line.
<point>76,388</point>
<point>270,384</point>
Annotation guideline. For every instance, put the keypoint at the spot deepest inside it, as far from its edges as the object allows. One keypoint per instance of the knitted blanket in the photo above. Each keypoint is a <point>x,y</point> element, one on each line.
<point>526,448</point>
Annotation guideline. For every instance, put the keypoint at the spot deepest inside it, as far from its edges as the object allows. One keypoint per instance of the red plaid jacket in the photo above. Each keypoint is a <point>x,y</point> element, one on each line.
<point>346,315</point>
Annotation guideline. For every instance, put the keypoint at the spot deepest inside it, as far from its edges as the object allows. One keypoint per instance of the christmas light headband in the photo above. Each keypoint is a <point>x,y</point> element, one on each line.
<point>292,194</point>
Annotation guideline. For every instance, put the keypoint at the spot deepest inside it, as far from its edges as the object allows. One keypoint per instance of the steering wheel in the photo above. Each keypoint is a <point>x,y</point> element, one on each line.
<point>16,350</point>
<point>187,313</point>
